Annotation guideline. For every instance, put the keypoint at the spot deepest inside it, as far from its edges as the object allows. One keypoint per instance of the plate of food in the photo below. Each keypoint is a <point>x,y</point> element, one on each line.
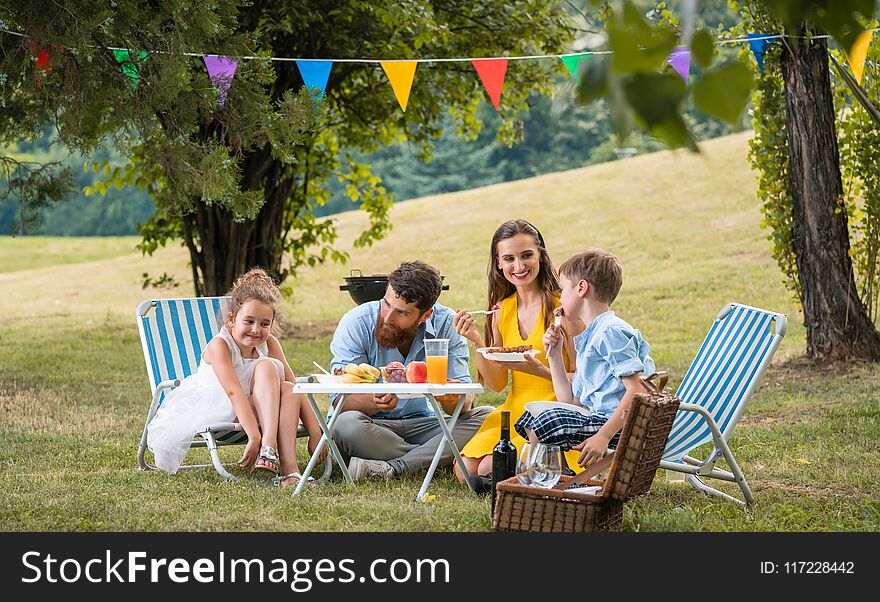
<point>327,379</point>
<point>508,354</point>
<point>536,407</point>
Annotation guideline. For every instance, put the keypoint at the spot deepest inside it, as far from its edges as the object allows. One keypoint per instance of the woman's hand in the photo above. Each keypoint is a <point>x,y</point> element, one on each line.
<point>530,366</point>
<point>251,452</point>
<point>465,325</point>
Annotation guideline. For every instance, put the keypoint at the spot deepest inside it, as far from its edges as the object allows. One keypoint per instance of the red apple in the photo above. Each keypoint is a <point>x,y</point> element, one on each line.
<point>417,372</point>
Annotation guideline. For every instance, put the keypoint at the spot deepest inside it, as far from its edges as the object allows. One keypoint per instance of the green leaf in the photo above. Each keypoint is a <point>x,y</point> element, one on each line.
<point>594,79</point>
<point>654,96</point>
<point>638,46</point>
<point>841,22</point>
<point>724,91</point>
<point>840,19</point>
<point>674,132</point>
<point>703,48</point>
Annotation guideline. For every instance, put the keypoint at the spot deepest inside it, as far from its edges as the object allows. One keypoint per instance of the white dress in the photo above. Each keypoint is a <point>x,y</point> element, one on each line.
<point>199,401</point>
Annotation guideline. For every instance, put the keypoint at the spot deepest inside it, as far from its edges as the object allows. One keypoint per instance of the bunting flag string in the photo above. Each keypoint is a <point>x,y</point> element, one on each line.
<point>401,73</point>
<point>221,70</point>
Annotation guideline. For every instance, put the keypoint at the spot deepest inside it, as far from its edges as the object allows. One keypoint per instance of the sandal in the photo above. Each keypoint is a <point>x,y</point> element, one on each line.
<point>280,480</point>
<point>268,460</point>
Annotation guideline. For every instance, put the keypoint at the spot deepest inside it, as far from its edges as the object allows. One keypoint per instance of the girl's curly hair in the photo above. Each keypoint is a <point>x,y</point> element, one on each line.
<point>257,284</point>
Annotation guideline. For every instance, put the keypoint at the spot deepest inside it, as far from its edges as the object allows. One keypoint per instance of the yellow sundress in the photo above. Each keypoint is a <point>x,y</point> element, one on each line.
<point>523,388</point>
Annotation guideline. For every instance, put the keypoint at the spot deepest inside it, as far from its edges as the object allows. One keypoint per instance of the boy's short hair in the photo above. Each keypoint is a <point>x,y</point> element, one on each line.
<point>417,282</point>
<point>598,267</point>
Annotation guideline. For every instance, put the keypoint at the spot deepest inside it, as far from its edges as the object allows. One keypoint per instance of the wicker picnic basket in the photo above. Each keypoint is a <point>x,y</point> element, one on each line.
<point>631,469</point>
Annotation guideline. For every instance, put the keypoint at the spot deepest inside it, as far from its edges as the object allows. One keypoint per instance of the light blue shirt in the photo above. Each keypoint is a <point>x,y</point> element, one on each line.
<point>354,342</point>
<point>607,350</point>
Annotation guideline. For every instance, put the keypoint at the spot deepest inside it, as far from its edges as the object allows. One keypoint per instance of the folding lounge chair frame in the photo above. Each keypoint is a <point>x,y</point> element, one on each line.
<point>715,392</point>
<point>174,332</point>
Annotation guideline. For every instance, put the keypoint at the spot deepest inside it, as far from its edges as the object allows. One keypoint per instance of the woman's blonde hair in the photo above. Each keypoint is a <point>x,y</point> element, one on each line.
<point>256,284</point>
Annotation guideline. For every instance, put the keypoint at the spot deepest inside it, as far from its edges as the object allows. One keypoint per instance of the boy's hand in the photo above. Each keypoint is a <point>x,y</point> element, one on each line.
<point>592,449</point>
<point>552,341</point>
<point>251,451</point>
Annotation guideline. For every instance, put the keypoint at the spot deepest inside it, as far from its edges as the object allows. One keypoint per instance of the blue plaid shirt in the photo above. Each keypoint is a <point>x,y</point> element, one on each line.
<point>607,350</point>
<point>354,342</point>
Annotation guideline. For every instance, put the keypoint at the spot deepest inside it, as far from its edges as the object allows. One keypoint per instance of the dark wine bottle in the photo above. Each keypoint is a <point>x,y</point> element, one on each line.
<point>503,456</point>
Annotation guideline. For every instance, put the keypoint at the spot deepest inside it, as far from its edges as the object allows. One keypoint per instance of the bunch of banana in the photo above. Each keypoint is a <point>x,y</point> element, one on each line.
<point>360,373</point>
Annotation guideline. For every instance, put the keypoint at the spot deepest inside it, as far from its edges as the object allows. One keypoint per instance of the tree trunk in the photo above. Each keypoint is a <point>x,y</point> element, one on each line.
<point>838,327</point>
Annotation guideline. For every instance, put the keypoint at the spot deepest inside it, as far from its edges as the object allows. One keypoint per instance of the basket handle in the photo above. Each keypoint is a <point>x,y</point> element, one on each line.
<point>650,386</point>
<point>588,473</point>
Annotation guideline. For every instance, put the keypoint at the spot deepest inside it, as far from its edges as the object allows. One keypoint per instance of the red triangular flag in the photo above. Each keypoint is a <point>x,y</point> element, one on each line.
<point>491,72</point>
<point>41,66</point>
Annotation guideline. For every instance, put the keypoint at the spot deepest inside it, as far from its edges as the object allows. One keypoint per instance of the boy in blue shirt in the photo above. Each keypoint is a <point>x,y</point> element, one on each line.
<point>611,356</point>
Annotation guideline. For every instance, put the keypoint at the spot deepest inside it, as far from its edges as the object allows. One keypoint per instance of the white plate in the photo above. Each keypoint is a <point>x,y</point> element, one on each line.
<point>507,357</point>
<point>327,379</point>
<point>536,407</point>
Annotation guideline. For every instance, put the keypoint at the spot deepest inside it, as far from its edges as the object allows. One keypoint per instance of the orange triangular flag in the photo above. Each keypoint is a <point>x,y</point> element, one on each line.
<point>858,52</point>
<point>400,74</point>
<point>491,72</point>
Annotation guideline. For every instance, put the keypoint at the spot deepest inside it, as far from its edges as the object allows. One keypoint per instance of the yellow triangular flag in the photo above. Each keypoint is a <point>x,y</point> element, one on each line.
<point>858,52</point>
<point>400,74</point>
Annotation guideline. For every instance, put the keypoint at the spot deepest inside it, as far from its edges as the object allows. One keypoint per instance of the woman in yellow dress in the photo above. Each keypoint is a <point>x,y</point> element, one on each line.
<point>522,280</point>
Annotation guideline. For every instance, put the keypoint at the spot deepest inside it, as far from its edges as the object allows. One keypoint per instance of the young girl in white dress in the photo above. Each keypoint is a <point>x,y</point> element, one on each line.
<point>243,377</point>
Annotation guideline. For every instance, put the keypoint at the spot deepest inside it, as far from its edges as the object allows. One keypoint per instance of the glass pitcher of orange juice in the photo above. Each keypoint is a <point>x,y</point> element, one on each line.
<point>437,359</point>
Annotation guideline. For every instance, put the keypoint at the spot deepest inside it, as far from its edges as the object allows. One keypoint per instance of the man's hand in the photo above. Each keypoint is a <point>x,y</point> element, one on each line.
<point>250,454</point>
<point>385,402</point>
<point>592,449</point>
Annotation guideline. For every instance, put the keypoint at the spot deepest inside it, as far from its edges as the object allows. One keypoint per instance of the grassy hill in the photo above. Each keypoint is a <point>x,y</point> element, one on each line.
<point>73,390</point>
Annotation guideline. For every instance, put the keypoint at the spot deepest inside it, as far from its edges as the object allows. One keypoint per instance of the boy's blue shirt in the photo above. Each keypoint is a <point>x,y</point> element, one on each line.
<point>607,350</point>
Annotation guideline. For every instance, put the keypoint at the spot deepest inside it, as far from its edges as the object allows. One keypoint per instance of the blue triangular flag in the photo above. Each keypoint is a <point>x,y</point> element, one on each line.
<point>315,74</point>
<point>758,43</point>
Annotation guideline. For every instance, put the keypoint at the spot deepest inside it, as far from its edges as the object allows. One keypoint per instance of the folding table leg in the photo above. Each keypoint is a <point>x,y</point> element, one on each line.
<point>447,439</point>
<point>326,438</point>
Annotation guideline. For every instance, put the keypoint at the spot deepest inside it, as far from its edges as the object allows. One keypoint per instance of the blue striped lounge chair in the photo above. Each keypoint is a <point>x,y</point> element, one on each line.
<point>715,392</point>
<point>173,334</point>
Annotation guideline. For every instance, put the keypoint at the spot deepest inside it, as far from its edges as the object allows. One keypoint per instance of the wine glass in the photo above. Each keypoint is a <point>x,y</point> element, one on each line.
<point>545,467</point>
<point>524,464</point>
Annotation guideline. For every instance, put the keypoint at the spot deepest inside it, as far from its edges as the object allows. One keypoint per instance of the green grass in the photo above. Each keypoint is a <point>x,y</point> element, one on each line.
<point>73,388</point>
<point>32,252</point>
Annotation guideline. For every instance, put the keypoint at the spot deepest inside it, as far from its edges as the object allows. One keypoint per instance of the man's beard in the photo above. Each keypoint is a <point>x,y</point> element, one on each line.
<point>389,336</point>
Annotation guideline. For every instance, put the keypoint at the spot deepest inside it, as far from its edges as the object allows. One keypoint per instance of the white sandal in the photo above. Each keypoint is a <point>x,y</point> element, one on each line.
<point>280,479</point>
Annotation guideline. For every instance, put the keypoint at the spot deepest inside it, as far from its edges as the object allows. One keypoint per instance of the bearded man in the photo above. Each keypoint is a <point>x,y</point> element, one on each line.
<point>385,436</point>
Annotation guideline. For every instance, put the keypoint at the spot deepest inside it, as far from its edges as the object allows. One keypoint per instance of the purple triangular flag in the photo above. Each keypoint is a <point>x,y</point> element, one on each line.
<point>680,59</point>
<point>222,70</point>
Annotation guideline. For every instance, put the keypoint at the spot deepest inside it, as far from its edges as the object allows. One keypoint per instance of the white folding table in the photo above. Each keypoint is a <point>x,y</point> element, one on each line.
<point>345,389</point>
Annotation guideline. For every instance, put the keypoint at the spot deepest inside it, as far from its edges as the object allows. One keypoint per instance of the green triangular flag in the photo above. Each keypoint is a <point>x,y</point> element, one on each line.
<point>129,66</point>
<point>572,61</point>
